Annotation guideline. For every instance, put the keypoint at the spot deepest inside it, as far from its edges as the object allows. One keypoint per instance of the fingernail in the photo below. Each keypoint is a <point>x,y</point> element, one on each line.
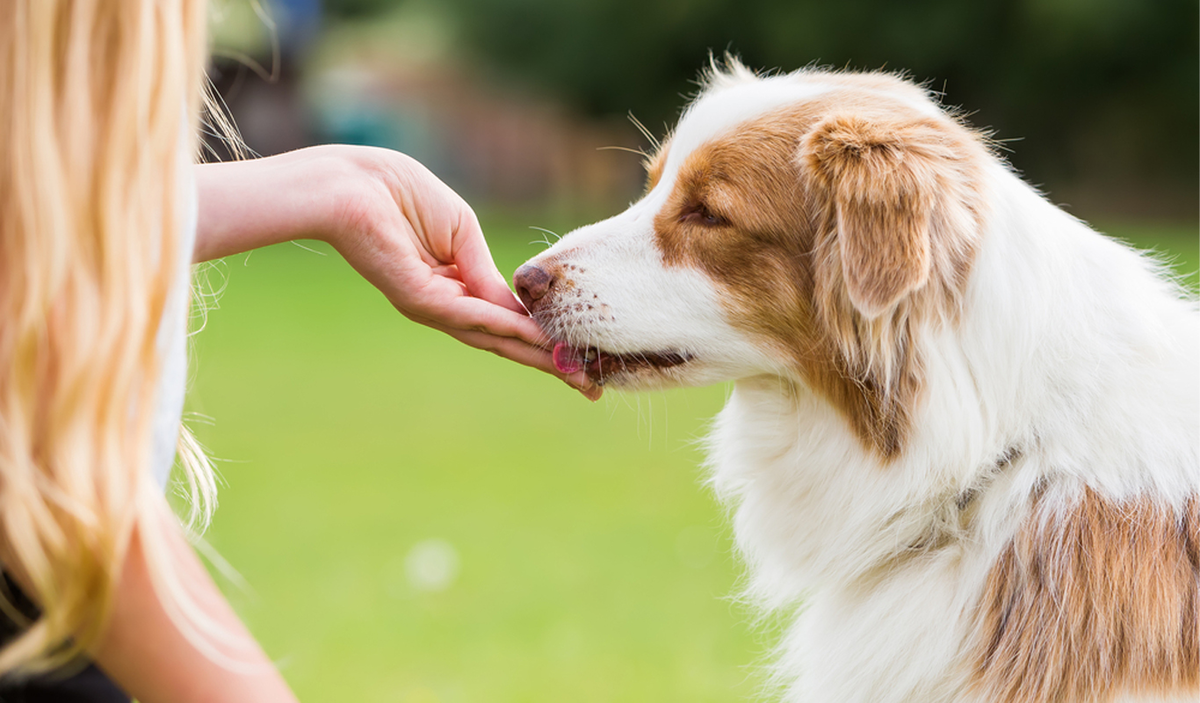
<point>590,391</point>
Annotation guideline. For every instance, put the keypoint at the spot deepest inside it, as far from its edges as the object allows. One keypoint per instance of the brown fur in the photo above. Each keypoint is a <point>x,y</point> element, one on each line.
<point>836,226</point>
<point>654,167</point>
<point>883,198</point>
<point>1093,600</point>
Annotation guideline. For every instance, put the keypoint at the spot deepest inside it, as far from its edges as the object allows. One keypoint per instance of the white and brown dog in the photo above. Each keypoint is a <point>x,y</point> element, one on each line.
<point>964,441</point>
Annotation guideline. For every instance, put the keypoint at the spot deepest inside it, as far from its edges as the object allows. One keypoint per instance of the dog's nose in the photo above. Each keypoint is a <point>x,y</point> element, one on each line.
<point>532,284</point>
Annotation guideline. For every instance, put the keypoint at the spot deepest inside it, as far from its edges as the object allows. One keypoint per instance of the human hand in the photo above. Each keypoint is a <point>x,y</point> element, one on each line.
<point>400,227</point>
<point>418,242</point>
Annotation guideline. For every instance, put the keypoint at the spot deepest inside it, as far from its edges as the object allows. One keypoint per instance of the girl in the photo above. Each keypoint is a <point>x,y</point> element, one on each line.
<point>101,212</point>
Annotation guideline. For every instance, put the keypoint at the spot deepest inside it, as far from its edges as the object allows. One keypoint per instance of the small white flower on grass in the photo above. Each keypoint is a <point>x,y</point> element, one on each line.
<point>432,565</point>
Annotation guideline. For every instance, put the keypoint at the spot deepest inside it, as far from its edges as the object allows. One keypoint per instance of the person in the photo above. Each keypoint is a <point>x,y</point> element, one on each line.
<point>101,213</point>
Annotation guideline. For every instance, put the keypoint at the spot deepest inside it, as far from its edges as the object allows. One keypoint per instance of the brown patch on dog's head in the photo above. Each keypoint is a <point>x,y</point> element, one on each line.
<point>836,227</point>
<point>1095,600</point>
<point>654,164</point>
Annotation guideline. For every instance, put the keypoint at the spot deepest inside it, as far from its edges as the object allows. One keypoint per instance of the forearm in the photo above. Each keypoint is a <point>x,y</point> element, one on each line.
<point>145,652</point>
<point>244,205</point>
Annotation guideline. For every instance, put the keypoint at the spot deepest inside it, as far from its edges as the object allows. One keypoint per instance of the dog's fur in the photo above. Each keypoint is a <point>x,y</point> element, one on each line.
<point>963,442</point>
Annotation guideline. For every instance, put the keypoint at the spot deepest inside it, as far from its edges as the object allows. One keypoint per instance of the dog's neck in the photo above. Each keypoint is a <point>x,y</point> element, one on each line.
<point>819,509</point>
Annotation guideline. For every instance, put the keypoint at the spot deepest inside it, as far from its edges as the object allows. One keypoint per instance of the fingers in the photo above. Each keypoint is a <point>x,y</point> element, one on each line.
<point>522,353</point>
<point>466,313</point>
<point>513,336</point>
<point>476,267</point>
<point>447,271</point>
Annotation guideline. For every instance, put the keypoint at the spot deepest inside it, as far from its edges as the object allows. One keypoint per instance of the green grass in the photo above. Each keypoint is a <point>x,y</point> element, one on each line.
<point>593,564</point>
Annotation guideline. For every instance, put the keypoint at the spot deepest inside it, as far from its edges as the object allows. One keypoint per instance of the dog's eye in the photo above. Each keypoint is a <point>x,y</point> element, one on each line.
<point>700,214</point>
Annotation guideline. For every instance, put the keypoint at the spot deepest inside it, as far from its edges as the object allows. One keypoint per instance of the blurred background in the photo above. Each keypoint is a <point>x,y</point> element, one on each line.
<point>417,521</point>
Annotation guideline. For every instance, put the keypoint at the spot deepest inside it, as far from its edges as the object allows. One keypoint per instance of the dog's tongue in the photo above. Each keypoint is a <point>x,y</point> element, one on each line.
<point>568,359</point>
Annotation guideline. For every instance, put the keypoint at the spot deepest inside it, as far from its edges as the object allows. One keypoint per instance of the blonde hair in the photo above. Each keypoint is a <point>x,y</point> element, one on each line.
<point>99,102</point>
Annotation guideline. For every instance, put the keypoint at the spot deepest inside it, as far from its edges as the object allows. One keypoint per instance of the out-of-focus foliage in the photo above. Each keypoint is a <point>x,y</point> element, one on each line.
<point>1105,90</point>
<point>358,8</point>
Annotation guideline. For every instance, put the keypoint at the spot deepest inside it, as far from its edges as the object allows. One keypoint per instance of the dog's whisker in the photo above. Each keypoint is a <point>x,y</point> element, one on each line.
<point>552,233</point>
<point>638,152</point>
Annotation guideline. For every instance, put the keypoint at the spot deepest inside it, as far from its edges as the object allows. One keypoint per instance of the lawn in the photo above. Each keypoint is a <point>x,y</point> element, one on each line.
<point>422,522</point>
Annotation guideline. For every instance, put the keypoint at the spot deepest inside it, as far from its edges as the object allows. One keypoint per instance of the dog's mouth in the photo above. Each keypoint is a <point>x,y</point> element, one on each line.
<point>600,364</point>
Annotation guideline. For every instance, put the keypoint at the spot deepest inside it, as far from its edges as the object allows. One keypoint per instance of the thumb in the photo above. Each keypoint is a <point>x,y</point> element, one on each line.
<point>478,269</point>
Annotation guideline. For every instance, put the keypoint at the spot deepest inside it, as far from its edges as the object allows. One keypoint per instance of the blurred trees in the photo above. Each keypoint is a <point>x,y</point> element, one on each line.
<point>1104,92</point>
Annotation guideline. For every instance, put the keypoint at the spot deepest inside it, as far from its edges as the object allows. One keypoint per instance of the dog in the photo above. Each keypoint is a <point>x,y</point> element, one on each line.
<point>962,443</point>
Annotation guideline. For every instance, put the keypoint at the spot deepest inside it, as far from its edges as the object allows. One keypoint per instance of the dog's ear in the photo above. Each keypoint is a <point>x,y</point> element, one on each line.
<point>880,178</point>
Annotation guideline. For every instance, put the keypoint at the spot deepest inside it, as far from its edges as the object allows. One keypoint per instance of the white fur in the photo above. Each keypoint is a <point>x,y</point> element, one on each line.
<point>1071,346</point>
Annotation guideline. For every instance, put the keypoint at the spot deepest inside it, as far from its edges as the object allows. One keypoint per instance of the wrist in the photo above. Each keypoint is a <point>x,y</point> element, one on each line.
<point>365,192</point>
<point>258,202</point>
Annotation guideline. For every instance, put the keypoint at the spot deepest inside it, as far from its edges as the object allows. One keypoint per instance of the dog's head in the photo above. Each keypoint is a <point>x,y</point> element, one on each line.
<point>805,226</point>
